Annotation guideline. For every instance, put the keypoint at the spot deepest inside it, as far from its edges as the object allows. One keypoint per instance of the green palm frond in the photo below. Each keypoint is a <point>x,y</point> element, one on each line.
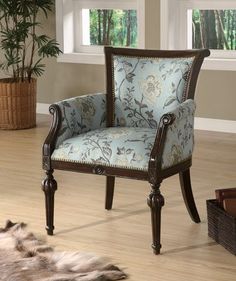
<point>11,59</point>
<point>38,70</point>
<point>45,6</point>
<point>41,40</point>
<point>20,42</point>
<point>50,49</point>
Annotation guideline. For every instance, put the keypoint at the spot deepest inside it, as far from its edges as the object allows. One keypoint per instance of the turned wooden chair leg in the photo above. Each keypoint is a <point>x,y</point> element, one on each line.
<point>110,182</point>
<point>185,183</point>
<point>156,201</point>
<point>49,186</point>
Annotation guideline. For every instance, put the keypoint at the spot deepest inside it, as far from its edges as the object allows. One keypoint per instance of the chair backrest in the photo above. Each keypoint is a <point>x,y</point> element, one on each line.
<point>144,84</point>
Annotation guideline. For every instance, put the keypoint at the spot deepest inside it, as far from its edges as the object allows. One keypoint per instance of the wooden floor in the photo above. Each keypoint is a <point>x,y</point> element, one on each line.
<point>124,234</point>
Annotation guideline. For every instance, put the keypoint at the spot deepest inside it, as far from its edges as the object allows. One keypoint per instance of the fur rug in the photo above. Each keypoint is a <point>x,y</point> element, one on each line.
<point>23,257</point>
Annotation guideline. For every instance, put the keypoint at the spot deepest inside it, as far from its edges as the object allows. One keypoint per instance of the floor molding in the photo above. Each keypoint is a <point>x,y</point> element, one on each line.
<point>206,124</point>
<point>216,125</point>
<point>42,108</point>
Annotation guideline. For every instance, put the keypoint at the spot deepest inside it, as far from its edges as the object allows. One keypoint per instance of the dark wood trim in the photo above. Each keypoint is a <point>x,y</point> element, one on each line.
<point>50,141</point>
<point>201,53</point>
<point>154,166</point>
<point>100,170</point>
<point>186,188</point>
<point>156,201</point>
<point>49,186</point>
<point>119,172</point>
<point>192,80</point>
<point>109,86</point>
<point>110,184</point>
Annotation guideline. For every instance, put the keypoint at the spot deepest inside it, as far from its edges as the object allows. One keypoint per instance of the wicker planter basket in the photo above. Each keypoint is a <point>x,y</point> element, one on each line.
<point>17,104</point>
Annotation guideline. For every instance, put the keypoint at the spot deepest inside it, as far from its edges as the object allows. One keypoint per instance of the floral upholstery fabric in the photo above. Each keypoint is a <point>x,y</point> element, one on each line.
<point>180,136</point>
<point>117,146</point>
<point>81,114</point>
<point>130,148</point>
<point>146,87</point>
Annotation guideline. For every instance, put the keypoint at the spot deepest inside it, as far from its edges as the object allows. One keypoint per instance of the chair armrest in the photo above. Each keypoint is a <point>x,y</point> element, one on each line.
<point>80,115</point>
<point>72,117</point>
<point>179,141</point>
<point>174,140</point>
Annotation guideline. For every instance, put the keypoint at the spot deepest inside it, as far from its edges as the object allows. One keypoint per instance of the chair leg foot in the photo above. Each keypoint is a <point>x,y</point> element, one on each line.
<point>49,230</point>
<point>156,250</point>
<point>110,182</point>
<point>156,201</point>
<point>49,186</point>
<point>185,183</point>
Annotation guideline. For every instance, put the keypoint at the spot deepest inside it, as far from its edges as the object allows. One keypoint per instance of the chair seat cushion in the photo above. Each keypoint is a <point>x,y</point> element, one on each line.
<point>119,147</point>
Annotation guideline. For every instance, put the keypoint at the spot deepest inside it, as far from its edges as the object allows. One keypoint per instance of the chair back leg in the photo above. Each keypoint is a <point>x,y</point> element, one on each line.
<point>185,183</point>
<point>49,186</point>
<point>110,183</point>
<point>156,201</point>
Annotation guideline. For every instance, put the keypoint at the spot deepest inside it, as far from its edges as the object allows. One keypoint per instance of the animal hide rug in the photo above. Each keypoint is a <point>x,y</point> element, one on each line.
<point>23,257</point>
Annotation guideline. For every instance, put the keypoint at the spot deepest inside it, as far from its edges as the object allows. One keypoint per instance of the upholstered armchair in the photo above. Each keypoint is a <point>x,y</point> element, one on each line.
<point>142,128</point>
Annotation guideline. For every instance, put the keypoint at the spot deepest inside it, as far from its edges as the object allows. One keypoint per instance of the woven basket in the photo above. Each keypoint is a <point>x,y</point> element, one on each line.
<point>221,226</point>
<point>17,104</point>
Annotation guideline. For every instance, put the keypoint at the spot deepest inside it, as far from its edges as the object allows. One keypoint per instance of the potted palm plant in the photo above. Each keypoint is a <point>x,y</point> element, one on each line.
<point>22,50</point>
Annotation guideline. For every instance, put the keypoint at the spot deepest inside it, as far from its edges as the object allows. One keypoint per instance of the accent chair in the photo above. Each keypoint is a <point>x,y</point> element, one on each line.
<point>141,128</point>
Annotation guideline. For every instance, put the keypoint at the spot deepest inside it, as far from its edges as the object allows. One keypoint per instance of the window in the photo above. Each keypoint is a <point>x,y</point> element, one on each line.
<point>109,27</point>
<point>201,24</point>
<point>214,29</point>
<point>85,26</point>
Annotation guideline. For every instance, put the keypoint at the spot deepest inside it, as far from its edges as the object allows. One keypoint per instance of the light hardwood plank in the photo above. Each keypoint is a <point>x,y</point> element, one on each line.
<point>123,233</point>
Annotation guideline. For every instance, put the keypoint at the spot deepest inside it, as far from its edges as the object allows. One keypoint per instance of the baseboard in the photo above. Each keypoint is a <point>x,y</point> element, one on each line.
<point>42,108</point>
<point>206,124</point>
<point>217,125</point>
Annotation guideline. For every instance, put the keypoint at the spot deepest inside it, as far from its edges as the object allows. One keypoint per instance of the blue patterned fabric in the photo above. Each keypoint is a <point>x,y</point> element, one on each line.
<point>180,136</point>
<point>146,87</point>
<point>81,114</point>
<point>131,147</point>
<point>117,147</point>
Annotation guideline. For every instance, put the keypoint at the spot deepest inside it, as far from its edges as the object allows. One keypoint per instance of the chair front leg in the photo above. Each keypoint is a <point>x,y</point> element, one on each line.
<point>156,201</point>
<point>49,186</point>
<point>110,182</point>
<point>185,183</point>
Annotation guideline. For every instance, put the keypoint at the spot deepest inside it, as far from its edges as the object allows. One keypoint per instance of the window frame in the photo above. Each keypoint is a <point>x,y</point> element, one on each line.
<point>69,31</point>
<point>175,16</point>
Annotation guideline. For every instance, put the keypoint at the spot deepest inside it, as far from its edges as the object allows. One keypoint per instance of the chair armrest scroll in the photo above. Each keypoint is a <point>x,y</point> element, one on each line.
<point>155,157</point>
<point>49,143</point>
<point>175,139</point>
<point>179,141</point>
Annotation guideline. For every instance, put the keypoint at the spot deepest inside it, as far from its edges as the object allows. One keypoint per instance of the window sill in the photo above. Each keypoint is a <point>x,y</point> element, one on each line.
<point>89,58</point>
<point>219,64</point>
<point>82,58</point>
